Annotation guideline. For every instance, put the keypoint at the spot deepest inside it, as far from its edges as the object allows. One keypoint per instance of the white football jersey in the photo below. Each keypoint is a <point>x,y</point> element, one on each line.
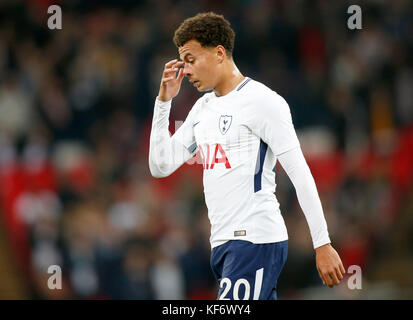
<point>239,136</point>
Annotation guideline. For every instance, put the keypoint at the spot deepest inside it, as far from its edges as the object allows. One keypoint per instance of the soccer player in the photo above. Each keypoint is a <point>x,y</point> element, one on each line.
<point>241,129</point>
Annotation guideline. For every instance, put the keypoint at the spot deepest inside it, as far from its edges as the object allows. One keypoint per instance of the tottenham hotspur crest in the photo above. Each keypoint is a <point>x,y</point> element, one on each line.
<point>224,123</point>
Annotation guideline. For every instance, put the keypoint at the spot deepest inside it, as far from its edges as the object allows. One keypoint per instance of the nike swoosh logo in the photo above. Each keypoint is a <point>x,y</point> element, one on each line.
<point>195,124</point>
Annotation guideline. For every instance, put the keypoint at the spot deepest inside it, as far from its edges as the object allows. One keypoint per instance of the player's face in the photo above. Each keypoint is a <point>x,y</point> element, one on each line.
<point>200,65</point>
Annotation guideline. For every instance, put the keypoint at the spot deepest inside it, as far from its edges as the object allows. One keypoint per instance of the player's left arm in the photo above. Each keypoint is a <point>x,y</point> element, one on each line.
<point>273,124</point>
<point>328,262</point>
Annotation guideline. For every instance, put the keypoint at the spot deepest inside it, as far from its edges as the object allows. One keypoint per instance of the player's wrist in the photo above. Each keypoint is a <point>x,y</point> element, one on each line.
<point>162,100</point>
<point>323,247</point>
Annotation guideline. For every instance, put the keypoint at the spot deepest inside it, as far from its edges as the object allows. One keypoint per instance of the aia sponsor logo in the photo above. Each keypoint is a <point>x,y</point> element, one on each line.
<point>211,158</point>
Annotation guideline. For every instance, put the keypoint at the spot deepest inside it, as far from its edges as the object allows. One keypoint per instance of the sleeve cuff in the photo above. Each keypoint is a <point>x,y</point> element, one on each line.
<point>162,103</point>
<point>321,242</point>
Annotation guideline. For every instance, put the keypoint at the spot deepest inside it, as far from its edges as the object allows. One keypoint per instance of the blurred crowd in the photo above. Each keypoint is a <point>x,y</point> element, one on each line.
<point>75,116</point>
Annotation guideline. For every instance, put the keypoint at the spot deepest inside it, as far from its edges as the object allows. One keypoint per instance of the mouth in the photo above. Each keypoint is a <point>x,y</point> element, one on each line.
<point>195,83</point>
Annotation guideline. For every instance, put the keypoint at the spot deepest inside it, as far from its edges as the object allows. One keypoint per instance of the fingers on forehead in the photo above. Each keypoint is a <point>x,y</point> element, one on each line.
<point>169,63</point>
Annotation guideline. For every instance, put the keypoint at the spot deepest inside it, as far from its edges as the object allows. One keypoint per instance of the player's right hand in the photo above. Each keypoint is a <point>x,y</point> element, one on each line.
<point>171,82</point>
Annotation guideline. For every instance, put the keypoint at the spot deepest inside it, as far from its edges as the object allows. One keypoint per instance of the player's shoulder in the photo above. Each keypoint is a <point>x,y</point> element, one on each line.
<point>257,86</point>
<point>258,95</point>
<point>259,89</point>
<point>196,107</point>
<point>202,99</point>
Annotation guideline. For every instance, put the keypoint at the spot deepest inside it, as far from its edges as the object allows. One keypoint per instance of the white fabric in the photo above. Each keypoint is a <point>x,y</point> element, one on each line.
<point>239,136</point>
<point>166,153</point>
<point>294,164</point>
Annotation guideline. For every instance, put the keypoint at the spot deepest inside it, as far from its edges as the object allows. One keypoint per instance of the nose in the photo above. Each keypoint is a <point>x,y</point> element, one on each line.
<point>187,70</point>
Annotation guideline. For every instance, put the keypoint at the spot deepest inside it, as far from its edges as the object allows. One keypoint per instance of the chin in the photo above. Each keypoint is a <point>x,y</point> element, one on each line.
<point>201,88</point>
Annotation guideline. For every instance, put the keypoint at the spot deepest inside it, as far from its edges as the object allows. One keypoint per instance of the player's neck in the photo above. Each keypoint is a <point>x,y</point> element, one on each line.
<point>230,79</point>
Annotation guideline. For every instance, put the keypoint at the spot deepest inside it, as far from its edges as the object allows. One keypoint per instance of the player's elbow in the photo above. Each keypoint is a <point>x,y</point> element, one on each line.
<point>156,171</point>
<point>158,174</point>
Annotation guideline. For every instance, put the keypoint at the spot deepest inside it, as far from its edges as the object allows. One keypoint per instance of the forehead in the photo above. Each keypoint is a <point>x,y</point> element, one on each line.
<point>192,47</point>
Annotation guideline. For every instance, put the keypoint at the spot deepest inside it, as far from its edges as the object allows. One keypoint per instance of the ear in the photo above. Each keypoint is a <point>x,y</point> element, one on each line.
<point>221,53</point>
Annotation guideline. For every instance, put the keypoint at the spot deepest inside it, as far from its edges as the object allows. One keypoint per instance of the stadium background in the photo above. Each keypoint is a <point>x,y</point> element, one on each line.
<point>75,115</point>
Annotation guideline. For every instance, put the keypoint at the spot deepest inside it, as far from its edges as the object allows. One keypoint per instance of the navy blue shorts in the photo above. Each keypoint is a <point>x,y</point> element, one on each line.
<point>247,271</point>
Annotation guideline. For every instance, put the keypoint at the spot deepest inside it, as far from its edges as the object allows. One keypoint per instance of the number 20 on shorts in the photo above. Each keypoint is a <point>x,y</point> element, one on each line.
<point>226,284</point>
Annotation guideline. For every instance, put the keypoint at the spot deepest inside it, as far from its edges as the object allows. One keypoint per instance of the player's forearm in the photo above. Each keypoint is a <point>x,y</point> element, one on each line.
<point>300,175</point>
<point>160,147</point>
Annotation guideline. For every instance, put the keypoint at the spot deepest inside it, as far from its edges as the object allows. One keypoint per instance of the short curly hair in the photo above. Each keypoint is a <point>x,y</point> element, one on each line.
<point>209,29</point>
